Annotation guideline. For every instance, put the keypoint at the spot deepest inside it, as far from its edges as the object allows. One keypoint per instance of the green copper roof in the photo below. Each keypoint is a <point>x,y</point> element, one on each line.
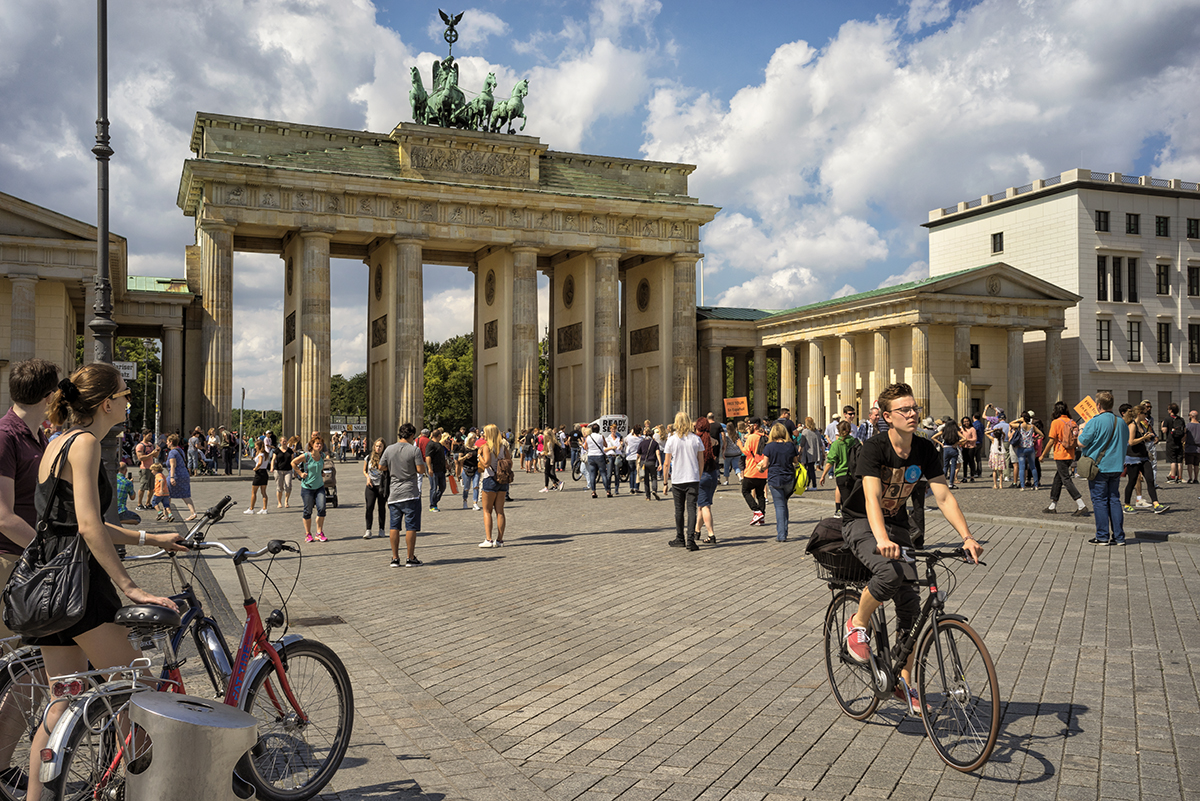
<point>729,313</point>
<point>564,179</point>
<point>876,293</point>
<point>147,283</point>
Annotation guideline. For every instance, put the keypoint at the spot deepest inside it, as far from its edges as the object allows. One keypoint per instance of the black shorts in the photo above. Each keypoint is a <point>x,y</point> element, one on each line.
<point>1191,458</point>
<point>1174,453</point>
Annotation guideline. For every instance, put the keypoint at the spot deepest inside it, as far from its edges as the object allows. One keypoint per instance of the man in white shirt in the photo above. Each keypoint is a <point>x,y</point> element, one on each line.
<point>614,451</point>
<point>632,442</point>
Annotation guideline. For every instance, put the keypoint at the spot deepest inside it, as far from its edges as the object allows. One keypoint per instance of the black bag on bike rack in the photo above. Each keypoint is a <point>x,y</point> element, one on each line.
<point>47,592</point>
<point>830,551</point>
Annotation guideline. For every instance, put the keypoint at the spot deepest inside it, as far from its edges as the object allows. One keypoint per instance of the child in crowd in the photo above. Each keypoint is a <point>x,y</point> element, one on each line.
<point>162,496</point>
<point>996,456</point>
<point>124,494</point>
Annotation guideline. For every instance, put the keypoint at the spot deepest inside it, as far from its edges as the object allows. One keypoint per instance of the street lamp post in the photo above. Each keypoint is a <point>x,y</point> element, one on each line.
<point>102,324</point>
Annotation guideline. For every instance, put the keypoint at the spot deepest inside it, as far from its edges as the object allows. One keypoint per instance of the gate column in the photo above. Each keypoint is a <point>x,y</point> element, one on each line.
<point>524,337</point>
<point>410,333</point>
<point>683,334</point>
<point>312,325</point>
<point>607,358</point>
<point>216,286</point>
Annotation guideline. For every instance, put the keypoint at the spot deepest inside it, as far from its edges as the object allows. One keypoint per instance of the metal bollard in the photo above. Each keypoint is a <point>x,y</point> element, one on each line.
<point>196,742</point>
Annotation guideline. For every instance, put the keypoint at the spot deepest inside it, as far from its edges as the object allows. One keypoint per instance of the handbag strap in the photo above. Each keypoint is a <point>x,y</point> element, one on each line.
<point>56,472</point>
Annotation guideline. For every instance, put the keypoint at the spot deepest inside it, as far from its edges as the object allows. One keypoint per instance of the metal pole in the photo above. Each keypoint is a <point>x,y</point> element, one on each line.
<point>241,432</point>
<point>102,324</point>
<point>157,406</point>
<point>145,383</point>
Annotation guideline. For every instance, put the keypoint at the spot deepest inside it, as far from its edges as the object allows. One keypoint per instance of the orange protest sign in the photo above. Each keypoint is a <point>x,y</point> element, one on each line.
<point>737,407</point>
<point>1087,408</point>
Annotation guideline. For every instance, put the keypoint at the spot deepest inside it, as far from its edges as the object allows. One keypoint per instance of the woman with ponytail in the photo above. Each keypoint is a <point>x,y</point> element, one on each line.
<point>87,405</point>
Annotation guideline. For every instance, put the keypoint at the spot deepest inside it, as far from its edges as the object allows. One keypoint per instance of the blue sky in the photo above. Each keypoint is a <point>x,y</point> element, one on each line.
<point>825,131</point>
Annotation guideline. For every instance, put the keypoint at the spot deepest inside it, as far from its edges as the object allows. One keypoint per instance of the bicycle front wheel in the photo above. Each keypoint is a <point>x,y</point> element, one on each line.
<point>294,757</point>
<point>957,684</point>
<point>576,471</point>
<point>850,681</point>
<point>23,695</point>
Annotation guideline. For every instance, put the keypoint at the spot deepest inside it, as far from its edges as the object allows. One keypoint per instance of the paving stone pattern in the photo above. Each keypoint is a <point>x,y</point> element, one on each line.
<point>587,660</point>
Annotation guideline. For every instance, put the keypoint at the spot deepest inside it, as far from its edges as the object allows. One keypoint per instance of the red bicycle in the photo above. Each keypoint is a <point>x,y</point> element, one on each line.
<point>297,688</point>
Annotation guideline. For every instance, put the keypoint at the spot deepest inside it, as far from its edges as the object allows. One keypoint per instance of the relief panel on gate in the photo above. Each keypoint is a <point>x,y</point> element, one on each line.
<point>643,340</point>
<point>379,331</point>
<point>570,337</point>
<point>490,335</point>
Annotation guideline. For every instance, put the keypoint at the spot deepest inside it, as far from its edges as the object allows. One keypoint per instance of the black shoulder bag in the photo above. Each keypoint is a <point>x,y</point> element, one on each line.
<point>47,592</point>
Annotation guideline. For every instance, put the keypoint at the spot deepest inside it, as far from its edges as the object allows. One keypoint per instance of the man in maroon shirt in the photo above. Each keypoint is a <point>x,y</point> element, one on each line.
<point>22,443</point>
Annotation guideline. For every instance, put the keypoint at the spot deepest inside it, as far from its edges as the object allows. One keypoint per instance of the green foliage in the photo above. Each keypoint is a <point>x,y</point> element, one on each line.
<point>145,353</point>
<point>256,422</point>
<point>348,397</point>
<point>449,382</point>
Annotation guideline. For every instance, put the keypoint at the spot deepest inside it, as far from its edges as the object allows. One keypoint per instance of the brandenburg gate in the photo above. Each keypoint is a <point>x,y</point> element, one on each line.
<point>618,239</point>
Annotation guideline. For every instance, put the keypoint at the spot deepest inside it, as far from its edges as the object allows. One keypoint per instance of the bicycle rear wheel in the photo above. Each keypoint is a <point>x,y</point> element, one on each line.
<point>957,684</point>
<point>851,682</point>
<point>91,767</point>
<point>294,759</point>
<point>576,471</point>
<point>23,695</point>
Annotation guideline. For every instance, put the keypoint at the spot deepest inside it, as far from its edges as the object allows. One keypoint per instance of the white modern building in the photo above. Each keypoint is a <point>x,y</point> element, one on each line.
<point>1128,245</point>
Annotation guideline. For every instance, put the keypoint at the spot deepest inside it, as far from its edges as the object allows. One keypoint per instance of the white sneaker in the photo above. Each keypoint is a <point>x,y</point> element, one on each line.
<point>1144,505</point>
<point>487,544</point>
<point>262,511</point>
<point>368,535</point>
<point>544,489</point>
<point>476,507</point>
<point>248,512</point>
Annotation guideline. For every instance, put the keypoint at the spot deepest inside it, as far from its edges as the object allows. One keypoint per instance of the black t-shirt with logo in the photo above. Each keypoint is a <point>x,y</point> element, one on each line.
<point>878,458</point>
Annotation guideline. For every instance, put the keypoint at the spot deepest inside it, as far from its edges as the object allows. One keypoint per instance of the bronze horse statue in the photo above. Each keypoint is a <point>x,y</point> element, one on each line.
<point>477,113</point>
<point>418,98</point>
<point>506,111</point>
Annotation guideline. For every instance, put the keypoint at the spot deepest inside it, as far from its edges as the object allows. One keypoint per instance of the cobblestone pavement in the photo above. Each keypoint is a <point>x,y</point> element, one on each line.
<point>587,660</point>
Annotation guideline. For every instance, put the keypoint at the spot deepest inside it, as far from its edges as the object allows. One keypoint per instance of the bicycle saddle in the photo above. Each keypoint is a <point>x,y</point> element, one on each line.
<point>148,616</point>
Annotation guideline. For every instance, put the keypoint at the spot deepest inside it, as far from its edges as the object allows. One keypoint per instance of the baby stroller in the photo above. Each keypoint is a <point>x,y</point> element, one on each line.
<point>329,473</point>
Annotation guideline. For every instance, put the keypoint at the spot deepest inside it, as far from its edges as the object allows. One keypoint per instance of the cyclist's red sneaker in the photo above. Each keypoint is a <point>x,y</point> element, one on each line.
<point>858,642</point>
<point>911,698</point>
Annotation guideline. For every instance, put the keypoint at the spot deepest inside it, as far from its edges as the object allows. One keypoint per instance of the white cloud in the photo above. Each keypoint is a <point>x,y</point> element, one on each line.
<point>846,289</point>
<point>916,271</point>
<point>874,129</point>
<point>922,13</point>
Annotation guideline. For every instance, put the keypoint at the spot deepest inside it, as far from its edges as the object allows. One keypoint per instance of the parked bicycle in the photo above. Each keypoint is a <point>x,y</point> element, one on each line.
<point>298,690</point>
<point>954,675</point>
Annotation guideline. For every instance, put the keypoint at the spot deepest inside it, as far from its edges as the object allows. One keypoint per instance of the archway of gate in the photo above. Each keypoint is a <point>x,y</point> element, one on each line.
<point>504,207</point>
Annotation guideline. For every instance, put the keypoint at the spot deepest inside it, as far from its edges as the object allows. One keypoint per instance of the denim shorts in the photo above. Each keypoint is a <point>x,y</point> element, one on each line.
<point>491,485</point>
<point>410,511</point>
<point>708,486</point>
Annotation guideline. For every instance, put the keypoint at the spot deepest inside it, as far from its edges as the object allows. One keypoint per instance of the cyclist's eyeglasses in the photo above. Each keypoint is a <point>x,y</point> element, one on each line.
<point>906,410</point>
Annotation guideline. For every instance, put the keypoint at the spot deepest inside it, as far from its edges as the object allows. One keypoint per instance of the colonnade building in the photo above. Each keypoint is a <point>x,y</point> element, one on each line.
<point>1129,246</point>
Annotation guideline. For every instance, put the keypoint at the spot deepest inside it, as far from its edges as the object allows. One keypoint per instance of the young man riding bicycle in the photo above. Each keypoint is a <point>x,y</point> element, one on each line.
<point>875,522</point>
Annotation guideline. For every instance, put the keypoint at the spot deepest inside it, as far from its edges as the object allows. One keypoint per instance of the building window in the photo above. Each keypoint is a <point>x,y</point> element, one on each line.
<point>1117,283</point>
<point>1193,344</point>
<point>1102,278</point>
<point>998,242</point>
<point>974,357</point>
<point>1162,279</point>
<point>1133,293</point>
<point>1102,221</point>
<point>1104,340</point>
<point>1135,341</point>
<point>1193,228</point>
<point>1162,226</point>
<point>1164,343</point>
<point>1193,280</point>
<point>1132,224</point>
